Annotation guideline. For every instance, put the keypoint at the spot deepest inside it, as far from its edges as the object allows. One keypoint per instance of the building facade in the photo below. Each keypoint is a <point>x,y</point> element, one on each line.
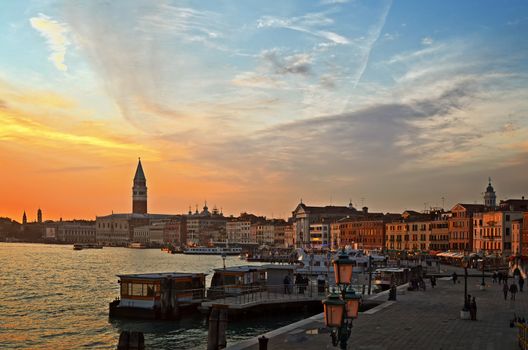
<point>461,226</point>
<point>139,191</point>
<point>76,232</point>
<point>492,231</point>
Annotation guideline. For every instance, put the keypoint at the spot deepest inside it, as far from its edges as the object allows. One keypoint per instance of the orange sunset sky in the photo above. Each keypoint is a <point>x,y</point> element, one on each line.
<point>254,106</point>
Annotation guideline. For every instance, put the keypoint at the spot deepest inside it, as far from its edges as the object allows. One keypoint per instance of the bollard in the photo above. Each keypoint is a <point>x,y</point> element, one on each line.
<point>263,343</point>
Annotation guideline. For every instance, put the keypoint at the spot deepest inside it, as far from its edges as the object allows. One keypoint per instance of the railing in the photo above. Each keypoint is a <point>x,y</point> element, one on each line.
<point>284,293</point>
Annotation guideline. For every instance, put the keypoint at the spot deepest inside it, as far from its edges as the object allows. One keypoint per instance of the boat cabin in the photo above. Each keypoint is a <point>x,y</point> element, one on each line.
<point>158,292</point>
<point>236,280</point>
<point>385,277</point>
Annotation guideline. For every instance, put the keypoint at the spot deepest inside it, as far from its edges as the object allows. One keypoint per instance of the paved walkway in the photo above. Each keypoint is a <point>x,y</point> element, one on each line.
<point>418,320</point>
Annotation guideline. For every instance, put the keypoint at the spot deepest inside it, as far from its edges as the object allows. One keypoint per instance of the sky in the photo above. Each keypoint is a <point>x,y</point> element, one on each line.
<point>253,105</point>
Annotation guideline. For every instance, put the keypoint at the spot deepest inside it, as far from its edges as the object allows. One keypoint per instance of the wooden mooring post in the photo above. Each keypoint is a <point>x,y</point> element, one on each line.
<point>216,337</point>
<point>131,341</point>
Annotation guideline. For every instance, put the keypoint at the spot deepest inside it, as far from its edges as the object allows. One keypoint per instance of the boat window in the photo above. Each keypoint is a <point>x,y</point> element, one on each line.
<point>137,289</point>
<point>231,279</point>
<point>124,289</point>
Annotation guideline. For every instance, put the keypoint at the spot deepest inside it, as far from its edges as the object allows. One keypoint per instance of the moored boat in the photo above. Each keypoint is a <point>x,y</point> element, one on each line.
<point>81,246</point>
<point>158,295</point>
<point>137,245</point>
<point>236,280</point>
<point>213,251</point>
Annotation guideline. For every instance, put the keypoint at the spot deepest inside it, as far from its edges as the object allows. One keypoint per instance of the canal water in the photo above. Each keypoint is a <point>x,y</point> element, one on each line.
<point>52,297</point>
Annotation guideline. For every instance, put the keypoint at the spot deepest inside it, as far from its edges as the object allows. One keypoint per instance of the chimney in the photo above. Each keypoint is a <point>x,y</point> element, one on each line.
<point>365,210</point>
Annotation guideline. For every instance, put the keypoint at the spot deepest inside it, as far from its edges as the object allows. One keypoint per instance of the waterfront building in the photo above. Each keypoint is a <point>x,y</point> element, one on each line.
<point>335,235</point>
<point>139,191</point>
<point>418,231</point>
<point>175,231</point>
<point>279,233</point>
<point>461,226</point>
<point>263,233</point>
<point>303,216</point>
<point>141,234</point>
<point>514,204</point>
<point>516,244</point>
<point>239,229</point>
<point>320,235</point>
<point>289,236</point>
<point>492,231</point>
<point>118,229</point>
<point>205,227</point>
<point>77,231</point>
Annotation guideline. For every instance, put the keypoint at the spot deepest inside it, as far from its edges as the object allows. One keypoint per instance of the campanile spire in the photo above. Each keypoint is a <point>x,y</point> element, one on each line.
<point>139,191</point>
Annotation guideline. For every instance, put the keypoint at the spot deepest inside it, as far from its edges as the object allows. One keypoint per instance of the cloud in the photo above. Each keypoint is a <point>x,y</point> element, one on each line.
<point>310,24</point>
<point>55,34</point>
<point>294,64</point>
<point>427,41</point>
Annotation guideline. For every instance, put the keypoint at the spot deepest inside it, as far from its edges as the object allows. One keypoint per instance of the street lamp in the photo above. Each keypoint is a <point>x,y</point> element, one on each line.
<point>341,308</point>
<point>483,283</point>
<point>465,265</point>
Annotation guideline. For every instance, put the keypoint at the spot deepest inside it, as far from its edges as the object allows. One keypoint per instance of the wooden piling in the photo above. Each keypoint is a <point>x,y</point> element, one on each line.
<point>212,336</point>
<point>222,328</point>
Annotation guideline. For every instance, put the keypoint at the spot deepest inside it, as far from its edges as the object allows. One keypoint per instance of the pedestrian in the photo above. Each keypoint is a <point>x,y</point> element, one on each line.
<point>494,276</point>
<point>433,281</point>
<point>473,309</point>
<point>298,283</point>
<point>454,276</point>
<point>499,276</point>
<point>521,283</point>
<point>287,282</point>
<point>513,290</point>
<point>505,290</point>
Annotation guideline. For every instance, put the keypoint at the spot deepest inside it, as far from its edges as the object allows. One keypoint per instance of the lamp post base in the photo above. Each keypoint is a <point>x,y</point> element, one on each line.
<point>464,315</point>
<point>482,287</point>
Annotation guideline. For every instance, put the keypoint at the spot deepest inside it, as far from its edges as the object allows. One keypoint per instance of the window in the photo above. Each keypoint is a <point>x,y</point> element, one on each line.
<point>507,231</point>
<point>507,217</point>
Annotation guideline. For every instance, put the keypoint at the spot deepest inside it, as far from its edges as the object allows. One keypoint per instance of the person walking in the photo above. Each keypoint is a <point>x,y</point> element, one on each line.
<point>513,290</point>
<point>521,283</point>
<point>433,281</point>
<point>454,276</point>
<point>499,276</point>
<point>473,309</point>
<point>494,277</point>
<point>505,290</point>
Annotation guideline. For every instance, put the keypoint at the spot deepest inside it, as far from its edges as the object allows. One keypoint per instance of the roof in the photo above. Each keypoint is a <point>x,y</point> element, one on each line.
<point>140,175</point>
<point>472,207</point>
<point>244,268</point>
<point>159,275</point>
<point>136,216</point>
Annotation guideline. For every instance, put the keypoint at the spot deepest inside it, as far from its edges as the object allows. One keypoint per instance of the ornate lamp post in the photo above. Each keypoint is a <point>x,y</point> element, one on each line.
<point>341,308</point>
<point>465,310</point>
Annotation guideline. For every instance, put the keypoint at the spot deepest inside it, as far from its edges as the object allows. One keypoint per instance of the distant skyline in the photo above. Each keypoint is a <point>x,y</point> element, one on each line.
<point>253,105</point>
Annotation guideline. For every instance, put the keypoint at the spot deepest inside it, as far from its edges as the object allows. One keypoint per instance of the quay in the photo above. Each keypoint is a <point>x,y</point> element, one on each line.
<point>417,320</point>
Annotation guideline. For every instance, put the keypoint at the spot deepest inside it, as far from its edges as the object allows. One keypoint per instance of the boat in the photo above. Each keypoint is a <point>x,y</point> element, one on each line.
<point>385,277</point>
<point>137,245</point>
<point>213,251</point>
<point>81,246</point>
<point>158,295</point>
<point>236,280</point>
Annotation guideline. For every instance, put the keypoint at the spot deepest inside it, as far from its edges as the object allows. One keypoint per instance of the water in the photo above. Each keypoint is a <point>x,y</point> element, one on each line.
<point>54,297</point>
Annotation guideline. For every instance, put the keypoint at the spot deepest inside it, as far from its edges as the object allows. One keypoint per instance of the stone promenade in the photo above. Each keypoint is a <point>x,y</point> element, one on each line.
<point>417,320</point>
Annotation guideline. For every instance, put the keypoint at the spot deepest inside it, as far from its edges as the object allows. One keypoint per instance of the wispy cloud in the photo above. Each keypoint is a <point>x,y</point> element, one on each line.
<point>310,24</point>
<point>55,34</point>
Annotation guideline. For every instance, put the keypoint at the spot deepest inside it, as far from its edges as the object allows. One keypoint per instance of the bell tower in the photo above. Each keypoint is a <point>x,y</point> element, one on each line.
<point>139,191</point>
<point>490,199</point>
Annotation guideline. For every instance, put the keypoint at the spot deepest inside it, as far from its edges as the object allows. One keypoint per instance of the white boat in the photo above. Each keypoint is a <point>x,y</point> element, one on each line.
<point>213,251</point>
<point>137,245</point>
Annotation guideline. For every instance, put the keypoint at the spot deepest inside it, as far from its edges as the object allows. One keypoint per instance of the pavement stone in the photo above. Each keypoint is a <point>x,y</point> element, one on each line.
<point>422,320</point>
